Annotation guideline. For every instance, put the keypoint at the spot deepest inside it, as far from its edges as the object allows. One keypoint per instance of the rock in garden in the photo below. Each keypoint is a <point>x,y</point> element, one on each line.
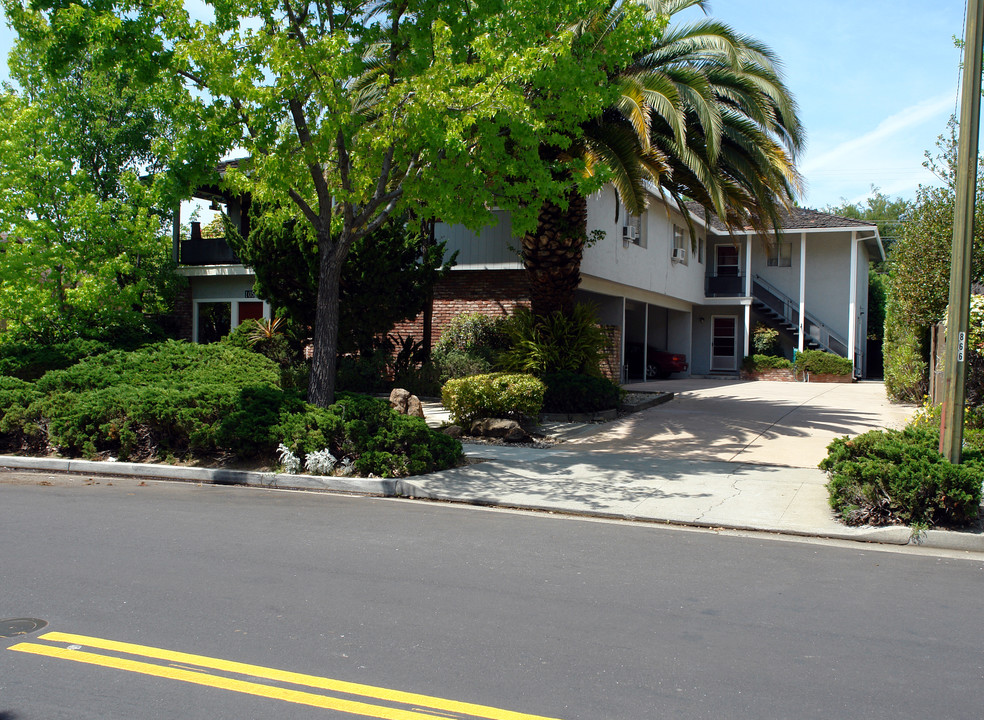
<point>453,431</point>
<point>414,407</point>
<point>498,428</point>
<point>399,399</point>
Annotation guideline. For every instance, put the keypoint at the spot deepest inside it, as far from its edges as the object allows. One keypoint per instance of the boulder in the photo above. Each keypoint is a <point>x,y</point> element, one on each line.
<point>509,430</point>
<point>399,399</point>
<point>453,431</point>
<point>414,407</point>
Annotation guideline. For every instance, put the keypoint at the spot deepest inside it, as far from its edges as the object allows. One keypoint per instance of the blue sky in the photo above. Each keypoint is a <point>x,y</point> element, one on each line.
<point>876,81</point>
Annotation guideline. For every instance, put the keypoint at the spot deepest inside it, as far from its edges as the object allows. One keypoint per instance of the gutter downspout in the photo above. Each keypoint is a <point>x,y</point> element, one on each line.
<point>802,297</point>
<point>852,329</point>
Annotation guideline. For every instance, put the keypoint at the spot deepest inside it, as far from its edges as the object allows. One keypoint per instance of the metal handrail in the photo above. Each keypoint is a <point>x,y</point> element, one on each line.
<point>784,306</point>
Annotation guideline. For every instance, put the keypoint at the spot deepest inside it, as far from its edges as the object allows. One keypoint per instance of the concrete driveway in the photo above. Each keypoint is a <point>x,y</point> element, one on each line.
<point>755,422</point>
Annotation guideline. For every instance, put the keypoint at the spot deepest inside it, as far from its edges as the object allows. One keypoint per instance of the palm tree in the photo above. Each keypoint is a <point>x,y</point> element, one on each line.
<point>703,114</point>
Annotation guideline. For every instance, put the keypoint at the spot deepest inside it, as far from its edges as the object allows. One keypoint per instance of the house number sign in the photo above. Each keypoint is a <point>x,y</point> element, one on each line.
<point>249,294</point>
<point>961,345</point>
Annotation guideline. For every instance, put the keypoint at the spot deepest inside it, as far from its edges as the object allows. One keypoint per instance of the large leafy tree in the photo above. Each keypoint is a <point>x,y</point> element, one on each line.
<point>352,110</point>
<point>83,253</point>
<point>387,278</point>
<point>703,114</point>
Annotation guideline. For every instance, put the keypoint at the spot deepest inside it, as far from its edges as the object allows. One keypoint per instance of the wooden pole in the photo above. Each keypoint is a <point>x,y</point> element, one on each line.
<point>951,421</point>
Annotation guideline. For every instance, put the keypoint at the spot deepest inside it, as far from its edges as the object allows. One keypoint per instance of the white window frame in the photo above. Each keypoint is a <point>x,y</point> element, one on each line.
<point>633,221</point>
<point>780,254</point>
<point>680,252</point>
<point>234,320</point>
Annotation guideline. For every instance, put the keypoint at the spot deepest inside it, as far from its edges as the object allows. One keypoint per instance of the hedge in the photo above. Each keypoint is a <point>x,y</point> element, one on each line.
<point>500,395</point>
<point>819,362</point>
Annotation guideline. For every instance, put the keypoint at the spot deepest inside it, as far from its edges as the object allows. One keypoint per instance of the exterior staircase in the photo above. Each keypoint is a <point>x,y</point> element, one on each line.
<point>779,311</point>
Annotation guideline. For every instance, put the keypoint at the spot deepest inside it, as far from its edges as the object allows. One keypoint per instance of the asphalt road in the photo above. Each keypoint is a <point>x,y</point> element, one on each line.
<point>426,605</point>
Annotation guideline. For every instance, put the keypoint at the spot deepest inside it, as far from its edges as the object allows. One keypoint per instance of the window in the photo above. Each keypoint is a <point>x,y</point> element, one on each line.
<point>700,250</point>
<point>727,260</point>
<point>679,252</point>
<point>632,229</point>
<point>781,254</point>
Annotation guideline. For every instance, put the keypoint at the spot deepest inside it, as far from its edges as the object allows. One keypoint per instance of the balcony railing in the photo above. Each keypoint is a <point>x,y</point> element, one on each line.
<point>724,286</point>
<point>207,251</point>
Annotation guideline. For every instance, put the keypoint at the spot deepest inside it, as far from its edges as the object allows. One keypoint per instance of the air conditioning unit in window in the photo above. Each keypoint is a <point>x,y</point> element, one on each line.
<point>679,254</point>
<point>630,232</point>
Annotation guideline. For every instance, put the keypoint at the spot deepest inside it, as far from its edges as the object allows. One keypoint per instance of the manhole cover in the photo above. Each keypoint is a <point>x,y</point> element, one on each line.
<point>20,626</point>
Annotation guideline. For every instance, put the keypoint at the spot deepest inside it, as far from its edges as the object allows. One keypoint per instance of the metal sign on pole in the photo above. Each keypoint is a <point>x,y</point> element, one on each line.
<point>958,315</point>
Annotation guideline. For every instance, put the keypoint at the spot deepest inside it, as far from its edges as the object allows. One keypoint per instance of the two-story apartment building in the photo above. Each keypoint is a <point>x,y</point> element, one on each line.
<point>659,289</point>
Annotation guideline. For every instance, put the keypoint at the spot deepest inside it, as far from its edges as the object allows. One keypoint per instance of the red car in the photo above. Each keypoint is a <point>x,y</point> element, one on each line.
<point>662,364</point>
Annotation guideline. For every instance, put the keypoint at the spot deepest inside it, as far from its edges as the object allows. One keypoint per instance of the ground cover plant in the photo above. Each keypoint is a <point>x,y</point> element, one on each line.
<point>214,403</point>
<point>886,477</point>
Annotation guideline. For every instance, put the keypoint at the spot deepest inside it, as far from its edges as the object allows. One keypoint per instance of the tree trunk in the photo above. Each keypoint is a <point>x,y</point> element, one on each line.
<point>331,257</point>
<point>552,255</point>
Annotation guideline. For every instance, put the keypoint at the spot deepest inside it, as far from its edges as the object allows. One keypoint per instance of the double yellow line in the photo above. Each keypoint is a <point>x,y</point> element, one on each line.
<point>195,669</point>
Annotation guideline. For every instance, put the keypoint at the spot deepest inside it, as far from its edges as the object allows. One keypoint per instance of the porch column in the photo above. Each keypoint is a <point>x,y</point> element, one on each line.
<point>645,346</point>
<point>802,307</point>
<point>621,359</point>
<point>853,303</point>
<point>748,294</point>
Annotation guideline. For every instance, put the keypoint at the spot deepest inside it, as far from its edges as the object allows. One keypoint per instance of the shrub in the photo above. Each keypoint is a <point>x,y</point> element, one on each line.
<point>888,477</point>
<point>380,441</point>
<point>555,344</point>
<point>475,334</point>
<point>172,397</point>
<point>572,393</point>
<point>29,360</point>
<point>357,373</point>
<point>765,340</point>
<point>500,395</point>
<point>18,429</point>
<point>469,346</point>
<point>757,363</point>
<point>819,362</point>
<point>454,363</point>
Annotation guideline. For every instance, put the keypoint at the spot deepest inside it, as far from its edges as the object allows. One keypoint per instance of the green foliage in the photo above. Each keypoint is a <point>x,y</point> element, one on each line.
<point>886,212</point>
<point>358,373</point>
<point>497,395</point>
<point>381,442</point>
<point>756,363</point>
<point>81,244</point>
<point>555,344</point>
<point>819,362</point>
<point>30,360</point>
<point>886,477</point>
<point>387,276</point>
<point>17,428</point>
<point>765,340</point>
<point>572,393</point>
<point>469,345</point>
<point>919,276</point>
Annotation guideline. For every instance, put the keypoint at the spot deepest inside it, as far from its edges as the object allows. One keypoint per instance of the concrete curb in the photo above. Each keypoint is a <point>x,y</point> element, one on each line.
<point>893,535</point>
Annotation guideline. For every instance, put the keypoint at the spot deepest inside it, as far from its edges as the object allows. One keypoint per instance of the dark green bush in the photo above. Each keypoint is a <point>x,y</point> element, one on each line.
<point>890,477</point>
<point>572,393</point>
<point>169,398</point>
<point>357,373</point>
<point>554,344</point>
<point>819,362</point>
<point>469,346</point>
<point>755,363</point>
<point>29,361</point>
<point>497,395</point>
<point>17,430</point>
<point>381,441</point>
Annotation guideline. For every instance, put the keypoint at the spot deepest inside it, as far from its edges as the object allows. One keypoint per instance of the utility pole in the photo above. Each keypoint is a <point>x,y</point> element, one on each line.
<point>955,369</point>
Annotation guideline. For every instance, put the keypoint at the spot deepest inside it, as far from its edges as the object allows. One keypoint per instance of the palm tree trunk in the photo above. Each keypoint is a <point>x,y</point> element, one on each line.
<point>552,255</point>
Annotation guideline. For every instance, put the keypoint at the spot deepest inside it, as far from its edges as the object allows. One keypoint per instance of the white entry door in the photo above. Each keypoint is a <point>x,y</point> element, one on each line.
<point>724,344</point>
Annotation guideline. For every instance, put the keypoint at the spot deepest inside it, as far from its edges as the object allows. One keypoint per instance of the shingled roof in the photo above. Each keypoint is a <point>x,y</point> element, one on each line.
<point>796,219</point>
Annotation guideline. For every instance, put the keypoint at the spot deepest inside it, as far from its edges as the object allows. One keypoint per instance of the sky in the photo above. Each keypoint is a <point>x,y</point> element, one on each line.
<point>875,81</point>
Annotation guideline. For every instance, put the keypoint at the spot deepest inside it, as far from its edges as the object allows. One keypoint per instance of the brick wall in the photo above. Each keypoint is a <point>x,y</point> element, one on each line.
<point>182,313</point>
<point>610,365</point>
<point>490,292</point>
